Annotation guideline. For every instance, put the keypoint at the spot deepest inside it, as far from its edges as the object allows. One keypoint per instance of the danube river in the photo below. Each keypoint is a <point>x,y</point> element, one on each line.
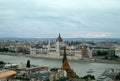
<point>80,68</point>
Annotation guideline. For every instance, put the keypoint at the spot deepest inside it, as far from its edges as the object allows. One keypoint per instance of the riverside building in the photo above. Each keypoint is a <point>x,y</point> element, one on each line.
<point>56,50</point>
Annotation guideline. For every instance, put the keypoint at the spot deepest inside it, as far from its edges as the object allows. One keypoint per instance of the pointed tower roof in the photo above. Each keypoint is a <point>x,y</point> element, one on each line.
<point>64,55</point>
<point>66,66</point>
<point>59,39</point>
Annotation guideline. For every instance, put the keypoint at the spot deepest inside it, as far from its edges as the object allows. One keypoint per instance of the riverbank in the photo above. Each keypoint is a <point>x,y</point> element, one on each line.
<point>80,67</point>
<point>11,54</point>
<point>78,60</point>
<point>60,58</point>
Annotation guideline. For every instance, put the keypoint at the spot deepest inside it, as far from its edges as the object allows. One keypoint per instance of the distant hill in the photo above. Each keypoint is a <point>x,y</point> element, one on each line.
<point>65,39</point>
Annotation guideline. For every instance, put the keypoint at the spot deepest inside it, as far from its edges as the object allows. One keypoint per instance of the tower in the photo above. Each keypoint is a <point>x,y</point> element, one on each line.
<point>59,39</point>
<point>64,55</point>
<point>84,51</point>
<point>59,44</point>
<point>66,66</point>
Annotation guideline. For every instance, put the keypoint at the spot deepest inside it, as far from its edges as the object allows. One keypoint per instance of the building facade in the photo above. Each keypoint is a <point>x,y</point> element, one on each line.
<point>56,50</point>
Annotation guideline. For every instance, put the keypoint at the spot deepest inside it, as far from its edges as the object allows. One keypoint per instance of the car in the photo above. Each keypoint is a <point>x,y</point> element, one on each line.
<point>104,78</point>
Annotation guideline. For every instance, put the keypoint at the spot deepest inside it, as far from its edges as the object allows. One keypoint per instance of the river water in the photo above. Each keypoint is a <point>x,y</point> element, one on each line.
<point>80,68</point>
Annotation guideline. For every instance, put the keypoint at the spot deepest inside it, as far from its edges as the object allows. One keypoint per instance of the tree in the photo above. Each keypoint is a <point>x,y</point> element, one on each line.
<point>28,64</point>
<point>102,53</point>
<point>1,65</point>
<point>89,77</point>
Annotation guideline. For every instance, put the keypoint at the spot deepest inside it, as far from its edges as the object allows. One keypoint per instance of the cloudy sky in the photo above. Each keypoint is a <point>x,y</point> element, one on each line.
<point>71,18</point>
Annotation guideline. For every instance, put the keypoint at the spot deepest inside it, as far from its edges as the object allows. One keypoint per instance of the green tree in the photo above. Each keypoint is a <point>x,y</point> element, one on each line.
<point>28,64</point>
<point>89,77</point>
<point>102,53</point>
<point>1,65</point>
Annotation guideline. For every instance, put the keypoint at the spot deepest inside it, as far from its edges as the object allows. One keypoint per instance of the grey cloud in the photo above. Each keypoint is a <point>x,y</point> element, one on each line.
<point>39,19</point>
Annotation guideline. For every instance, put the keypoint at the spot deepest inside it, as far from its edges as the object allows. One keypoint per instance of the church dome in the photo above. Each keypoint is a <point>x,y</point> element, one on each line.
<point>59,39</point>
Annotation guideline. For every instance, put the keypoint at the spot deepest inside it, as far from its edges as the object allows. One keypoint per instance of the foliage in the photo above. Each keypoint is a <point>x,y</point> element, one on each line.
<point>47,80</point>
<point>28,64</point>
<point>1,65</point>
<point>1,62</point>
<point>118,76</point>
<point>4,49</point>
<point>102,53</point>
<point>90,77</point>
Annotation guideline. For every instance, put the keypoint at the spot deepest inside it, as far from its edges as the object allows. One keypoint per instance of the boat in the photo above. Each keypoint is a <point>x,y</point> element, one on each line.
<point>10,66</point>
<point>90,71</point>
<point>104,78</point>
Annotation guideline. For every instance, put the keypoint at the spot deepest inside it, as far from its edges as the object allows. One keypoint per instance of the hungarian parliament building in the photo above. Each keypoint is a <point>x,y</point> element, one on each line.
<point>56,50</point>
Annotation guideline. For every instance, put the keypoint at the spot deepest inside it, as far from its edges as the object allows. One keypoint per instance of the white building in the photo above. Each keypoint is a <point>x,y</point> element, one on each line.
<point>56,50</point>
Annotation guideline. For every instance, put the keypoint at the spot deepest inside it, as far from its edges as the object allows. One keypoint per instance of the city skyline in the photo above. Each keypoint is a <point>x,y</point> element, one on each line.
<point>48,18</point>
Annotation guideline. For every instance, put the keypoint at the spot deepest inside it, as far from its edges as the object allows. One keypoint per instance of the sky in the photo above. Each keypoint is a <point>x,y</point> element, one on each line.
<point>70,18</point>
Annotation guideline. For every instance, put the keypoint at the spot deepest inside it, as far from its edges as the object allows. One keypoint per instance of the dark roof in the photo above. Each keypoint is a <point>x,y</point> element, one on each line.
<point>59,39</point>
<point>63,79</point>
<point>42,76</point>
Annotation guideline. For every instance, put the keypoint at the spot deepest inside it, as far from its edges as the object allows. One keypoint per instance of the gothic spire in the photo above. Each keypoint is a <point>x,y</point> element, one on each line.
<point>59,34</point>
<point>64,55</point>
<point>59,39</point>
